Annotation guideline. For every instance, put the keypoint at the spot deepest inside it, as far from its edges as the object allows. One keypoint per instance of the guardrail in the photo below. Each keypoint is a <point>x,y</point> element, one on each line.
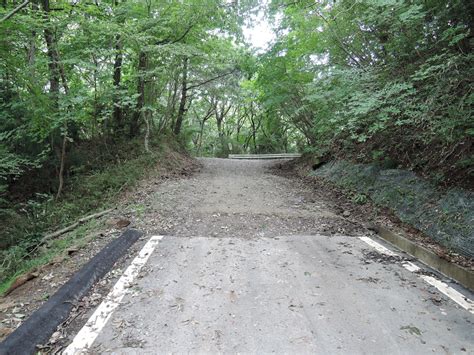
<point>265,156</point>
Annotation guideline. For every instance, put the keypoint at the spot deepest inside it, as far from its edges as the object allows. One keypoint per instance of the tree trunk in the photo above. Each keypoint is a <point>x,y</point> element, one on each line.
<point>202,122</point>
<point>53,63</point>
<point>184,97</point>
<point>147,134</point>
<point>201,132</point>
<point>61,167</point>
<point>254,137</point>
<point>220,115</point>
<point>117,115</point>
<point>219,129</point>
<point>55,75</point>
<point>170,107</point>
<point>135,122</point>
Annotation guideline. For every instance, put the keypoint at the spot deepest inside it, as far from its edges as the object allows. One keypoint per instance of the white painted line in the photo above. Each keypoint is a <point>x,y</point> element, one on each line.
<point>102,314</point>
<point>447,290</point>
<point>410,266</point>
<point>379,247</point>
<point>456,296</point>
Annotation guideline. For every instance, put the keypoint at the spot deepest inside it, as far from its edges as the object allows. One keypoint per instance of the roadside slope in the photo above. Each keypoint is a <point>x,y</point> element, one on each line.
<point>57,262</point>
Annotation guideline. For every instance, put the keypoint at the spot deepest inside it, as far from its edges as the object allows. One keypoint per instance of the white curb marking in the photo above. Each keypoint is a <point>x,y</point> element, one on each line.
<point>447,290</point>
<point>456,296</point>
<point>410,266</point>
<point>87,335</point>
<point>379,247</point>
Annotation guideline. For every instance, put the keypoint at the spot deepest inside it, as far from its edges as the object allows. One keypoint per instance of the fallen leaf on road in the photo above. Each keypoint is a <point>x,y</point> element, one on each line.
<point>411,329</point>
<point>5,331</point>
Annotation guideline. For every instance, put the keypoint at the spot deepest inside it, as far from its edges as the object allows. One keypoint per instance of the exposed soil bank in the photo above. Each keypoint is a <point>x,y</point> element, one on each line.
<point>445,216</point>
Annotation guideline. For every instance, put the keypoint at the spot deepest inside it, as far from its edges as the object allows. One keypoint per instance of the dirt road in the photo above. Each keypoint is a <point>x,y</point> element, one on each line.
<point>255,262</point>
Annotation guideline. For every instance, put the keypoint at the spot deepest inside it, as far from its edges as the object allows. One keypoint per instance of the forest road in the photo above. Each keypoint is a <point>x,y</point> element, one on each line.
<point>256,262</point>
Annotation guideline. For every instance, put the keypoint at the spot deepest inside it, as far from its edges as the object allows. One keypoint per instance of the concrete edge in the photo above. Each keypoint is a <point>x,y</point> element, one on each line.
<point>39,327</point>
<point>458,273</point>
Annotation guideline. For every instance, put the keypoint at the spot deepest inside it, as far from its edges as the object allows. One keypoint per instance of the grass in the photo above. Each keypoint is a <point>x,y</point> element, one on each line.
<point>87,193</point>
<point>76,238</point>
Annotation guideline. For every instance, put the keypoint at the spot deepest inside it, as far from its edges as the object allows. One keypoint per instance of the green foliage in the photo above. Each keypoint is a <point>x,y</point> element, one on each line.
<point>94,192</point>
<point>359,198</point>
<point>80,80</point>
<point>391,76</point>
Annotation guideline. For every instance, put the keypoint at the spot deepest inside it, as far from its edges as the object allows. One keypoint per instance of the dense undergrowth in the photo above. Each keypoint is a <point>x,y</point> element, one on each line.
<point>25,223</point>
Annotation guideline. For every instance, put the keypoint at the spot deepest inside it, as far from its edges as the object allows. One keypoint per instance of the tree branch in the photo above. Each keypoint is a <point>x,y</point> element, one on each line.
<point>210,80</point>
<point>180,38</point>
<point>15,10</point>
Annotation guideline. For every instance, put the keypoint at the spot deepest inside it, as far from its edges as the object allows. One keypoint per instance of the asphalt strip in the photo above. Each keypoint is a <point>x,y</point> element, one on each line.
<point>87,335</point>
<point>39,327</point>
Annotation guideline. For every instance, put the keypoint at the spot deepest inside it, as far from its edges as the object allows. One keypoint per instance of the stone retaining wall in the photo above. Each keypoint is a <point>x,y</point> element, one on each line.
<point>445,216</point>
